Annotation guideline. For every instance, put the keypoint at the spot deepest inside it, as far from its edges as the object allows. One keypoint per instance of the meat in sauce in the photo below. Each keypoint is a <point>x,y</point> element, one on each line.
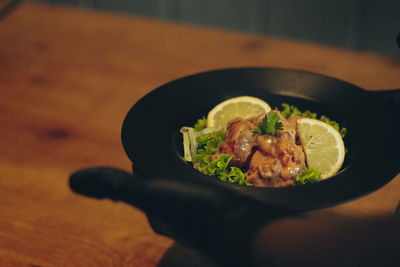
<point>239,141</point>
<point>272,160</point>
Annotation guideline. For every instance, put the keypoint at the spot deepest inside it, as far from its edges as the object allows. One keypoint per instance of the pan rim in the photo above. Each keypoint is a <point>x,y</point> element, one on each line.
<point>303,206</point>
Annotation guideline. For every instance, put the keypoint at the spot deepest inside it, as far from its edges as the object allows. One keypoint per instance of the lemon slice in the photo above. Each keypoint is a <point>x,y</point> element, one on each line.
<point>242,106</point>
<point>323,146</point>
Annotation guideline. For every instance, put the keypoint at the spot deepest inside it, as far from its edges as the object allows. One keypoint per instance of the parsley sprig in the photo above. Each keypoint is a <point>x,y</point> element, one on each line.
<point>269,124</point>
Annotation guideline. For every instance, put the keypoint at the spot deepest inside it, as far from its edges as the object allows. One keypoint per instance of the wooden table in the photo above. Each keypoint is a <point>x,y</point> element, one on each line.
<point>67,79</point>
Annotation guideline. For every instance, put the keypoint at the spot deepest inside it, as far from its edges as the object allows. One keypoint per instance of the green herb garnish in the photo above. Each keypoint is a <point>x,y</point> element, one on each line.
<point>269,124</point>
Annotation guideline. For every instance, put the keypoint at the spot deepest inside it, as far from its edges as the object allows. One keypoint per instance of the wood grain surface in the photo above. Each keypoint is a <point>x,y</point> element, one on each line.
<point>67,79</point>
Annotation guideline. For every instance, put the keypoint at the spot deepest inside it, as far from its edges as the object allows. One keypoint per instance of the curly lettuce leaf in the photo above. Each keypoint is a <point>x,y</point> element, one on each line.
<point>219,167</point>
<point>200,125</point>
<point>334,124</point>
<point>209,139</point>
<point>308,176</point>
<point>208,143</point>
<point>289,111</point>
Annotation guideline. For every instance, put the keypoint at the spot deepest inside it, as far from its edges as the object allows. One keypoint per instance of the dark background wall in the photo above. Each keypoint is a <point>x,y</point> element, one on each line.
<point>364,25</point>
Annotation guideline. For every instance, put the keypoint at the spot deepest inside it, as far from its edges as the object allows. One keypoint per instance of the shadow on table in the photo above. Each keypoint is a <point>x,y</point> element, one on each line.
<point>178,255</point>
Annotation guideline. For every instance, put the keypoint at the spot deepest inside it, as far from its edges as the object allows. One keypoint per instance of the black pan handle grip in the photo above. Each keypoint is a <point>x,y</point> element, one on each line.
<point>398,40</point>
<point>391,97</point>
<point>391,101</point>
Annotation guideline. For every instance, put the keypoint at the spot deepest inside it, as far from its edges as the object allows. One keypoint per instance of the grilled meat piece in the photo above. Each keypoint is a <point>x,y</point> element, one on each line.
<point>239,141</point>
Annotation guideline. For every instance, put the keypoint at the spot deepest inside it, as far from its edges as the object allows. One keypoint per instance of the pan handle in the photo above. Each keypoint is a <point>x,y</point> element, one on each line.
<point>398,40</point>
<point>391,101</point>
<point>391,97</point>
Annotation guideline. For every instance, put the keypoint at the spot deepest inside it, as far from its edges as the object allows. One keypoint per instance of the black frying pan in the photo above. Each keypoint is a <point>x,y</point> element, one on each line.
<point>152,141</point>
